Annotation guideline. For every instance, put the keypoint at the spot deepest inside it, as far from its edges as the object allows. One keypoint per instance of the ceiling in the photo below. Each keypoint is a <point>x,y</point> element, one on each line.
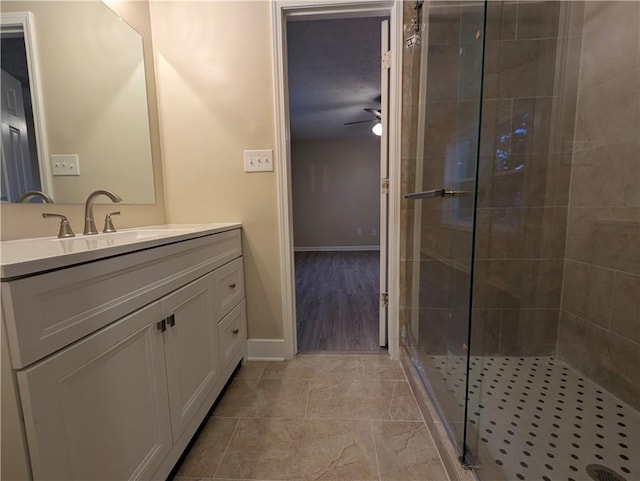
<point>334,73</point>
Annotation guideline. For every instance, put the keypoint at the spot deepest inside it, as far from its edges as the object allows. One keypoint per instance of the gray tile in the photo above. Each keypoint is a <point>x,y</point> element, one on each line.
<point>300,449</point>
<point>528,332</point>
<point>607,237</point>
<point>371,399</point>
<point>381,367</point>
<point>284,398</point>
<point>310,366</point>
<point>406,452</point>
<point>587,292</point>
<point>538,19</point>
<point>609,113</point>
<point>625,312</point>
<point>252,370</point>
<point>206,453</point>
<point>609,44</point>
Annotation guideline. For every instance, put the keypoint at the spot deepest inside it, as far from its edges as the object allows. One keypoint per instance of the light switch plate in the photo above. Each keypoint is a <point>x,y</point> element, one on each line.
<point>258,160</point>
<point>65,164</point>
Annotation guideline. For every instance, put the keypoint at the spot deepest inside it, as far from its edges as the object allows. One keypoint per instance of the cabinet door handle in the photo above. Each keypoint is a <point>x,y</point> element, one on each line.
<point>232,286</point>
<point>162,325</point>
<point>236,331</point>
<point>171,320</point>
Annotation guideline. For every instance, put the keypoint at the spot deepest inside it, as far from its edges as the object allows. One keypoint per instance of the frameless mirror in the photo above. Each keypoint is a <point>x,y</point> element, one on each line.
<point>74,103</point>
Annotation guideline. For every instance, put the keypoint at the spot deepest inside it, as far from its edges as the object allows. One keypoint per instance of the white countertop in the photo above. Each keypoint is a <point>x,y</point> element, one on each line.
<point>25,257</point>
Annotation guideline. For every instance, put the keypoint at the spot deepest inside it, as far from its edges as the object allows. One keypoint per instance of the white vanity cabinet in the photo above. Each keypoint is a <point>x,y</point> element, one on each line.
<point>124,401</point>
<point>99,409</point>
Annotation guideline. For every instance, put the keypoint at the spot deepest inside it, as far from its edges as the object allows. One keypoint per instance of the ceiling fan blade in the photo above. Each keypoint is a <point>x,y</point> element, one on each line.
<point>361,122</point>
<point>375,112</point>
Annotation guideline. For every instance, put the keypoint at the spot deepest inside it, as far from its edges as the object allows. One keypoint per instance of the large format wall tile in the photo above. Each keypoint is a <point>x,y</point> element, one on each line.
<point>625,306</point>
<point>528,332</point>
<point>611,32</point>
<point>604,356</point>
<point>609,113</point>
<point>605,236</point>
<point>538,19</point>
<point>587,292</point>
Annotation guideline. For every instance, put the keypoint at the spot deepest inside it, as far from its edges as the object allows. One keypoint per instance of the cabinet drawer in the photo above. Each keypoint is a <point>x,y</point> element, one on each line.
<point>229,287</point>
<point>46,312</point>
<point>232,333</point>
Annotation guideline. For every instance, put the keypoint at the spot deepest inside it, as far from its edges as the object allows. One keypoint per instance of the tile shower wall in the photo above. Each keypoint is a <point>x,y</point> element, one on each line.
<point>529,102</point>
<point>600,318</point>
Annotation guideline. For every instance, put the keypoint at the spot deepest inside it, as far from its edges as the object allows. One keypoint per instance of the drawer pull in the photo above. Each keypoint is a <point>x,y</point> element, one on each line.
<point>162,325</point>
<point>171,320</point>
<point>232,286</point>
<point>236,331</point>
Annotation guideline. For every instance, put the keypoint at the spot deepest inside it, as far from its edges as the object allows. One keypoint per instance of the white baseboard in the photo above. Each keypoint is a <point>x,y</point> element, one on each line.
<point>336,248</point>
<point>265,349</point>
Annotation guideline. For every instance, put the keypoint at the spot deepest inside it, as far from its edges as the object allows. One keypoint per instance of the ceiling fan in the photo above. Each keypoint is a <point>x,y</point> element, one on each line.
<point>374,112</point>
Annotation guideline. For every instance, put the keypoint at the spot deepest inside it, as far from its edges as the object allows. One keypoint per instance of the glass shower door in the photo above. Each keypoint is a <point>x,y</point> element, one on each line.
<point>448,119</point>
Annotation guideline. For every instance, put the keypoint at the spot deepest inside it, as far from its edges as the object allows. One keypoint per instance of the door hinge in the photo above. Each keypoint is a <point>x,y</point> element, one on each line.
<point>384,299</point>
<point>384,186</point>
<point>386,59</point>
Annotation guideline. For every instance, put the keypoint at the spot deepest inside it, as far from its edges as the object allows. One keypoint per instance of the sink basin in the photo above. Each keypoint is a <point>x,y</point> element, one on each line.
<point>131,235</point>
<point>29,256</point>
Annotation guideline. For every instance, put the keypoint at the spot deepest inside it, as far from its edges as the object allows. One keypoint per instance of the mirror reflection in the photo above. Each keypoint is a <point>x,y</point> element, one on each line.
<point>74,104</point>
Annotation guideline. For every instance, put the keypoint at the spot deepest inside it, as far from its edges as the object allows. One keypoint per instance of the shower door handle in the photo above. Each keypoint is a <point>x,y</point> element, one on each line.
<point>436,193</point>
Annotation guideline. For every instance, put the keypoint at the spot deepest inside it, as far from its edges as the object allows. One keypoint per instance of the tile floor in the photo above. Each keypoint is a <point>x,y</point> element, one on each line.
<point>319,417</point>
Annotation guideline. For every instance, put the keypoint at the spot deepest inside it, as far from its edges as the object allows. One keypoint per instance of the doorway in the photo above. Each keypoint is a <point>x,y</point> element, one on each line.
<point>23,163</point>
<point>335,111</point>
<point>282,13</point>
<point>334,104</point>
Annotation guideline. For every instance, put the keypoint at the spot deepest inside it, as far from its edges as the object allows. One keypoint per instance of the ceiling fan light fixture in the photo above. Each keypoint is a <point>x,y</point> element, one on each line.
<point>377,129</point>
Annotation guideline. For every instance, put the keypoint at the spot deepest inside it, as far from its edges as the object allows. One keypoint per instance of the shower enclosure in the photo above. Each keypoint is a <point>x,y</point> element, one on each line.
<point>520,269</point>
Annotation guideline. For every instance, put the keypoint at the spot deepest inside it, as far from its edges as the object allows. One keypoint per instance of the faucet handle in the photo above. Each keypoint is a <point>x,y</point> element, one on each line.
<point>65,228</point>
<point>108,224</point>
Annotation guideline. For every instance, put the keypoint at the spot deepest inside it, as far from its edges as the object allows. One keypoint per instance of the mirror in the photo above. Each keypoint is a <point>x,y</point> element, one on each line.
<point>74,103</point>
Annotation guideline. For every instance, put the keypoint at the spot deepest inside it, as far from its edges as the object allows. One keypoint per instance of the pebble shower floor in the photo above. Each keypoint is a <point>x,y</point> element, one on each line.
<point>536,418</point>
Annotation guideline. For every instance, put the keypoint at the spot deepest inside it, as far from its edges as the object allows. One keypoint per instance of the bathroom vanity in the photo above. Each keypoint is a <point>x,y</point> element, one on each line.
<point>119,345</point>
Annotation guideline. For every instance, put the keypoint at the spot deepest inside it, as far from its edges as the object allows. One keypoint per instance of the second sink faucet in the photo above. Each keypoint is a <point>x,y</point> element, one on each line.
<point>89,223</point>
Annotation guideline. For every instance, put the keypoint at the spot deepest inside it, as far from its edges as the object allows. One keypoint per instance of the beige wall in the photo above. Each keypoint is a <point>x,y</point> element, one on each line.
<point>19,221</point>
<point>215,97</point>
<point>600,317</point>
<point>336,191</point>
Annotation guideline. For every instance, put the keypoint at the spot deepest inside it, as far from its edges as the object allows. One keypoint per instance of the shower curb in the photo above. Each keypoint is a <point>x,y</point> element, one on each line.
<point>443,444</point>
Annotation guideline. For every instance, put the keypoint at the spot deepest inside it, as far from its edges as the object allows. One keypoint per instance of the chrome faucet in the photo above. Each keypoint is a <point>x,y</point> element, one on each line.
<point>36,193</point>
<point>89,224</point>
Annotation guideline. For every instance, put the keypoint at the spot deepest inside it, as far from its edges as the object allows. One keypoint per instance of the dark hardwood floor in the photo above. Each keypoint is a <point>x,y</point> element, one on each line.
<point>337,305</point>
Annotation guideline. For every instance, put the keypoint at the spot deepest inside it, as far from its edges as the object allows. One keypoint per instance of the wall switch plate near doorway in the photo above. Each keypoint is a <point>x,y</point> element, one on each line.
<point>65,164</point>
<point>258,160</point>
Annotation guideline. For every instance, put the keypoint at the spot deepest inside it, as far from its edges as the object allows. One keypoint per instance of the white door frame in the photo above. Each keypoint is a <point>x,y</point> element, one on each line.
<point>24,21</point>
<point>318,9</point>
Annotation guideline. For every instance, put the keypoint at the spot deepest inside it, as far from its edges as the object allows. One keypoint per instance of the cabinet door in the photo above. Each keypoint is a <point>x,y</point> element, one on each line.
<point>98,409</point>
<point>191,349</point>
